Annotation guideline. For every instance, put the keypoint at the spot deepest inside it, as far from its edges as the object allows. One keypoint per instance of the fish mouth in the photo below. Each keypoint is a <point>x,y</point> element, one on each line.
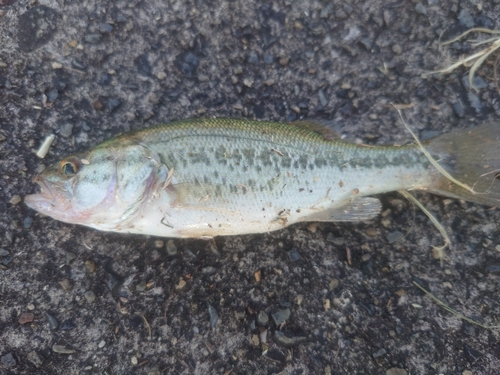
<point>45,201</point>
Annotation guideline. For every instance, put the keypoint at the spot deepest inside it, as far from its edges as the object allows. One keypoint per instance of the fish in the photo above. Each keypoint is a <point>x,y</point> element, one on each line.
<point>211,177</point>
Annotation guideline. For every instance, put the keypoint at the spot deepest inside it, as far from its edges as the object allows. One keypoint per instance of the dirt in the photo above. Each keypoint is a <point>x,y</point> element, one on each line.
<point>78,301</point>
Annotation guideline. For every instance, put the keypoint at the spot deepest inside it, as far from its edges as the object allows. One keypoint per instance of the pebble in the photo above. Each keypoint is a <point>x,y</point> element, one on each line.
<point>90,266</point>
<point>394,236</point>
<point>263,319</point>
<point>397,49</point>
<point>70,257</point>
<point>459,109</point>
<point>8,360</point>
<point>66,284</point>
<point>288,340</point>
<point>214,315</point>
<point>268,58</point>
<point>102,344</point>
<point>182,283</point>
<point>465,372</point>
<point>371,232</point>
<point>333,284</point>
<point>15,199</point>
<point>53,323</point>
<point>27,222</point>
<point>31,306</point>
<point>248,82</point>
<point>52,95</point>
<point>396,371</point>
<point>134,360</point>
<point>171,247</point>
<point>62,349</point>
<point>141,287</point>
<point>66,130</point>
<point>90,296</point>
<point>322,98</point>
<point>92,38</point>
<point>281,316</point>
<point>379,353</point>
<point>420,8</point>
<point>284,61</point>
<point>161,75</point>
<point>466,19</point>
<point>477,82</point>
<point>67,325</point>
<point>294,254</point>
<point>105,28</point>
<point>253,58</point>
<point>26,318</point>
<point>34,358</point>
<point>474,101</point>
<point>5,253</point>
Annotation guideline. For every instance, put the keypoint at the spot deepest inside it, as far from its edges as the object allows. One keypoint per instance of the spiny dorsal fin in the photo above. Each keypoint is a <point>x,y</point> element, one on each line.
<point>317,126</point>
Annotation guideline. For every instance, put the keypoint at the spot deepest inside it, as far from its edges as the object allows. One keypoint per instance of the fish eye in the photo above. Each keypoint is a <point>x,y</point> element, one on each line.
<point>69,166</point>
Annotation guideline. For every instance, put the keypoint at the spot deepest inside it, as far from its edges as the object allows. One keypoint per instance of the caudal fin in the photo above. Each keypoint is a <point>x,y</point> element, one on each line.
<point>471,156</point>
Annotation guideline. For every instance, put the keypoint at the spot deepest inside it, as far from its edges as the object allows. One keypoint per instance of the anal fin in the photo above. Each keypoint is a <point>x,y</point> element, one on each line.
<point>361,209</point>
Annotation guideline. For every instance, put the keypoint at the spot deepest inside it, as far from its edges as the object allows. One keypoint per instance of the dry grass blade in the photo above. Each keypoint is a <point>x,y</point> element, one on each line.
<point>447,242</point>
<point>449,309</point>
<point>477,59</point>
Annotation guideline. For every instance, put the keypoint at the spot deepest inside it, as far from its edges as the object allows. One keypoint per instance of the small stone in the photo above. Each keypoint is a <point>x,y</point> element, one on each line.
<point>27,222</point>
<point>26,318</point>
<point>257,275</point>
<point>322,98</point>
<point>397,49</point>
<point>159,244</point>
<point>465,372</point>
<point>70,257</point>
<point>379,353</point>
<point>15,199</point>
<point>134,360</point>
<point>182,283</point>
<point>396,371</point>
<point>53,323</point>
<point>281,316</point>
<point>90,266</point>
<point>31,306</point>
<point>66,284</point>
<point>2,65</point>
<point>62,349</point>
<point>269,82</point>
<point>161,75</point>
<point>52,95</point>
<point>171,248</point>
<point>333,284</point>
<point>268,58</point>
<point>420,8</point>
<point>466,19</point>
<point>253,58</point>
<point>67,325</point>
<point>288,340</point>
<point>255,340</point>
<point>284,61</point>
<point>102,344</point>
<point>248,82</point>
<point>89,296</point>
<point>394,236</point>
<point>263,319</point>
<point>237,70</point>
<point>294,254</point>
<point>8,360</point>
<point>214,315</point>
<point>105,28</point>
<point>66,130</point>
<point>92,38</point>
<point>371,232</point>
<point>459,109</point>
<point>326,304</point>
<point>34,358</point>
<point>373,116</point>
<point>474,101</point>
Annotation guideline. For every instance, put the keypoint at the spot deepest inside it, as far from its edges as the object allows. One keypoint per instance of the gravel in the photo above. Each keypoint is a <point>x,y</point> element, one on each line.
<point>88,71</point>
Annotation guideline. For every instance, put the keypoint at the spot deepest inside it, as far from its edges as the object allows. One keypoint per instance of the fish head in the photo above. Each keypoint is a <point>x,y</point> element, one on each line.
<point>104,188</point>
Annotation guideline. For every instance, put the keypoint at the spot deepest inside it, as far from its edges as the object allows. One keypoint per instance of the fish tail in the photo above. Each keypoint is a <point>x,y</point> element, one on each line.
<point>472,157</point>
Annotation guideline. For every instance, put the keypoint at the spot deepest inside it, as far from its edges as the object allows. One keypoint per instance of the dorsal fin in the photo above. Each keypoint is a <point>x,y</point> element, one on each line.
<point>317,126</point>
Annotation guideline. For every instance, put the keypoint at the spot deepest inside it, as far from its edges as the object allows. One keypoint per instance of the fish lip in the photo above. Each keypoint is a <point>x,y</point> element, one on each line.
<point>46,191</point>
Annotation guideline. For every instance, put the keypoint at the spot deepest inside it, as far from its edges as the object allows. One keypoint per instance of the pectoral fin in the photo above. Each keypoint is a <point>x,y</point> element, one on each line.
<point>361,209</point>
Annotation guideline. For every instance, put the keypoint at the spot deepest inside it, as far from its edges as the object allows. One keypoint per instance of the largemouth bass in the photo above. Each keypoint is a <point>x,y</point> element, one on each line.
<point>212,177</point>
